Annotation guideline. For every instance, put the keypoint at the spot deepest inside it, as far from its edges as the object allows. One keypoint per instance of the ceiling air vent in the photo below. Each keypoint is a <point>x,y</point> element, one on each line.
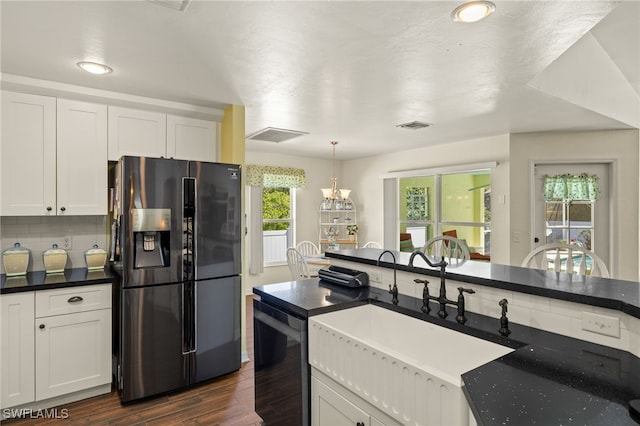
<point>271,134</point>
<point>413,125</point>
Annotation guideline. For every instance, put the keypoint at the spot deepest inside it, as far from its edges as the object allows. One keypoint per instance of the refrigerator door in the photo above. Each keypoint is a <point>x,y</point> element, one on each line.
<point>153,186</point>
<point>218,224</point>
<point>152,344</point>
<point>217,328</point>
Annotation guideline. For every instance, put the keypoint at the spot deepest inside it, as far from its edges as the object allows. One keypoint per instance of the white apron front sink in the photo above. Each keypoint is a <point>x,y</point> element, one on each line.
<point>406,367</point>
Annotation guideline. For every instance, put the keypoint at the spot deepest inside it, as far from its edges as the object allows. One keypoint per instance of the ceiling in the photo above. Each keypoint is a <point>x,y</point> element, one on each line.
<point>349,71</point>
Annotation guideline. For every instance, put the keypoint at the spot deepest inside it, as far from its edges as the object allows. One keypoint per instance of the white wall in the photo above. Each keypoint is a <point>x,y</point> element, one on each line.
<point>618,146</point>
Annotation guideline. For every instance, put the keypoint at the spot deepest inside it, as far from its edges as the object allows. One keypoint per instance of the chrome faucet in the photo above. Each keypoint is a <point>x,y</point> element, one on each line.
<point>442,298</point>
<point>392,290</point>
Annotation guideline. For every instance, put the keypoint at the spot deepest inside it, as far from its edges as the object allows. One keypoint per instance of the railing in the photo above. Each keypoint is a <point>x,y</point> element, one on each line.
<point>274,247</point>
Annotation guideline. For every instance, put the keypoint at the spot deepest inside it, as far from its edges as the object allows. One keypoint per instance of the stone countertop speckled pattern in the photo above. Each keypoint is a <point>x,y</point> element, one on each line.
<point>620,295</point>
<point>548,380</point>
<point>38,280</point>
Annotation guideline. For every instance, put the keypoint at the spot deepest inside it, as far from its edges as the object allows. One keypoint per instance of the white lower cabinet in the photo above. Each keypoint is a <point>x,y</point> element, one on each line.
<point>56,346</point>
<point>72,352</point>
<point>17,376</point>
<point>334,405</point>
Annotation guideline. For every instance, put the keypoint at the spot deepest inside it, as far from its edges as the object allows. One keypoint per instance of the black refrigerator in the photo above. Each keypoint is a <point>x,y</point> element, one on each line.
<point>176,247</point>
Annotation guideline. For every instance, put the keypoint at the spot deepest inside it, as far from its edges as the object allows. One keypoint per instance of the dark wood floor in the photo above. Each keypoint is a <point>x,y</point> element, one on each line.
<point>226,401</point>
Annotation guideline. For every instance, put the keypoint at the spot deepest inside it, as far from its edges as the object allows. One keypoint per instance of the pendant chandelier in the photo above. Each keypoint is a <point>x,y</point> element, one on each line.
<point>334,193</point>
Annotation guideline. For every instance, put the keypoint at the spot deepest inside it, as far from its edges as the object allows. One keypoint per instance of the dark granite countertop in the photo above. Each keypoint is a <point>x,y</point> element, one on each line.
<point>38,280</point>
<point>549,379</point>
<point>620,295</point>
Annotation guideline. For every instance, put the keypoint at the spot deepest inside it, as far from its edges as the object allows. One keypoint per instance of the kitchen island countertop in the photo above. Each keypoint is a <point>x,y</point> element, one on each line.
<point>548,379</point>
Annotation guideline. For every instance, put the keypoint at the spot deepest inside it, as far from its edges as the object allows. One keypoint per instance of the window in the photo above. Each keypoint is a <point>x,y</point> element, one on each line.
<point>433,204</point>
<point>570,208</point>
<point>277,224</point>
<point>272,218</point>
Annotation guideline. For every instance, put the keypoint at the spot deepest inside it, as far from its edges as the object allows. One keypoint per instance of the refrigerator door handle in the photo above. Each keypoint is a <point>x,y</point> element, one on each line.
<point>188,318</point>
<point>188,231</point>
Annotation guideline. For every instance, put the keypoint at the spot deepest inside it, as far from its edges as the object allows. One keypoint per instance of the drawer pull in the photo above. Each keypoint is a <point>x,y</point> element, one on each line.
<point>41,326</point>
<point>75,299</point>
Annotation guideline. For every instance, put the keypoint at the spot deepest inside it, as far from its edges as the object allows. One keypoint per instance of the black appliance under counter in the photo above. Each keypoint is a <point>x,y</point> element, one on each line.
<point>549,379</point>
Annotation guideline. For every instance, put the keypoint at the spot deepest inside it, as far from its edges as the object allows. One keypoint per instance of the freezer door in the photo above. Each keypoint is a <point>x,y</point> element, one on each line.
<point>217,328</point>
<point>151,349</point>
<point>151,185</point>
<point>218,224</point>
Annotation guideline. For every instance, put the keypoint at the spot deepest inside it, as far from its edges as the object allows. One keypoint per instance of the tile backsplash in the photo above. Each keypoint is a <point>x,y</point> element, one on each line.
<point>39,233</point>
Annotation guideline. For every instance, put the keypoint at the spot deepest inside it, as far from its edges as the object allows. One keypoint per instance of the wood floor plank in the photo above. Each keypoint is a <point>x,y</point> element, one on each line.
<point>226,401</point>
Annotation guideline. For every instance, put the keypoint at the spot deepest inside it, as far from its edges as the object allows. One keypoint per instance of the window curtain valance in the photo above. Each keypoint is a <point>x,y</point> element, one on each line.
<point>571,187</point>
<point>275,177</point>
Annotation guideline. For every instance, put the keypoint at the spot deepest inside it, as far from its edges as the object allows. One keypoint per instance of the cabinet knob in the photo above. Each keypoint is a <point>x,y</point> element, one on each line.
<point>41,327</point>
<point>75,299</point>
<point>49,209</point>
<point>62,209</point>
<point>360,424</point>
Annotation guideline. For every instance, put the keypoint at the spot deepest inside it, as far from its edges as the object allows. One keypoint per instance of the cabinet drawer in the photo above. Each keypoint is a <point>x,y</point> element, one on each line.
<point>73,299</point>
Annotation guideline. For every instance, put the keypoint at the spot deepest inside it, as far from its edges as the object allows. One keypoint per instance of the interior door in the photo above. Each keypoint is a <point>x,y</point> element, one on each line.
<point>602,227</point>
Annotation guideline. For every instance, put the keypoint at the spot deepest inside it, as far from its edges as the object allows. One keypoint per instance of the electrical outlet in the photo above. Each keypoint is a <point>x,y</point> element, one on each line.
<point>602,324</point>
<point>66,243</point>
<point>375,276</point>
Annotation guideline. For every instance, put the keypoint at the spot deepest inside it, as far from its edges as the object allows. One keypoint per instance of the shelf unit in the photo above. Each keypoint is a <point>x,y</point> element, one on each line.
<point>333,223</point>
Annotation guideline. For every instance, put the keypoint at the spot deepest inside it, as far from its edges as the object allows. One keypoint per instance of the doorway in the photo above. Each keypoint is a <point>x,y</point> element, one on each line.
<point>583,222</point>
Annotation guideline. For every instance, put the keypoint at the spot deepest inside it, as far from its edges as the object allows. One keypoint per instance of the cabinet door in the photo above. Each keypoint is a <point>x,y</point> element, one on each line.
<point>329,408</point>
<point>82,158</point>
<point>73,352</point>
<point>28,171</point>
<point>17,347</point>
<point>191,139</point>
<point>136,132</point>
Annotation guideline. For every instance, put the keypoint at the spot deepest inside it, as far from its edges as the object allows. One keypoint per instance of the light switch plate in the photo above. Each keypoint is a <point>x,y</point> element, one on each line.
<point>602,324</point>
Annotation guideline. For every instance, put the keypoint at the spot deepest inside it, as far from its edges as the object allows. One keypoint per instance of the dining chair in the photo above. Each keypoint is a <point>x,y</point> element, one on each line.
<point>297,265</point>
<point>372,244</point>
<point>308,248</point>
<point>454,250</point>
<point>570,258</point>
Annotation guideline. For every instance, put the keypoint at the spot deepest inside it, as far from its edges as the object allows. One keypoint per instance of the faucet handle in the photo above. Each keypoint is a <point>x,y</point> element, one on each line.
<point>465,290</point>
<point>504,321</point>
<point>419,281</point>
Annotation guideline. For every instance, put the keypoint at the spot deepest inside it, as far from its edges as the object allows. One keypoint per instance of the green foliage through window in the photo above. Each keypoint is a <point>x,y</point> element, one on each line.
<point>276,208</point>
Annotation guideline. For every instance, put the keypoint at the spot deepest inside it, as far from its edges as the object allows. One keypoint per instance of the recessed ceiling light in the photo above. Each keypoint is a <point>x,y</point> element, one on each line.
<point>473,11</point>
<point>94,67</point>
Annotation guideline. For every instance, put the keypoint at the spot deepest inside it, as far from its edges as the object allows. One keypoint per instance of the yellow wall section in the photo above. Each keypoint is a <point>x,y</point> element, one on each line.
<point>232,151</point>
<point>232,145</point>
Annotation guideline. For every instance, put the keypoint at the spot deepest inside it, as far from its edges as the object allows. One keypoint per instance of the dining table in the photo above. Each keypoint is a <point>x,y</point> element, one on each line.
<point>316,262</point>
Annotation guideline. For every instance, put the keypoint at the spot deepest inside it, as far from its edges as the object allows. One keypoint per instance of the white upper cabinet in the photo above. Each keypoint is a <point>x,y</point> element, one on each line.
<point>54,156</point>
<point>28,154</point>
<point>136,132</point>
<point>82,158</point>
<point>191,139</point>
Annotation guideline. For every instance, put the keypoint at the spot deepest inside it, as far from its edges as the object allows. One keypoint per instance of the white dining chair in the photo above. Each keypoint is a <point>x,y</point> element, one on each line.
<point>372,244</point>
<point>308,248</point>
<point>569,258</point>
<point>297,265</point>
<point>454,250</point>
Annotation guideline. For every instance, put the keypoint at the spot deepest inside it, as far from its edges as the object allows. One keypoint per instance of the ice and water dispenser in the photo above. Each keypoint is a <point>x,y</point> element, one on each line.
<point>151,236</point>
